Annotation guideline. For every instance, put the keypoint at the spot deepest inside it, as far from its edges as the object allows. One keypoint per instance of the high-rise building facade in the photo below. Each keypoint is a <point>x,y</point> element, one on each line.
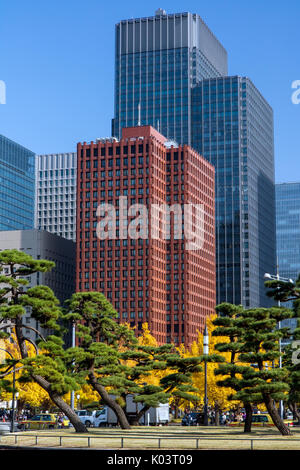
<point>288,235</point>
<point>56,194</point>
<point>17,183</point>
<point>146,268</point>
<point>158,60</point>
<point>171,73</point>
<point>288,229</point>
<point>232,127</point>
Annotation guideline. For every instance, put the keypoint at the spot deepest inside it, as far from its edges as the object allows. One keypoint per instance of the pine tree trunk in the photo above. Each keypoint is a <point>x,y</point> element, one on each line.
<point>109,401</point>
<point>293,408</point>
<point>248,420</point>
<point>60,403</point>
<point>296,412</point>
<point>282,428</point>
<point>134,420</point>
<point>217,415</point>
<point>67,410</point>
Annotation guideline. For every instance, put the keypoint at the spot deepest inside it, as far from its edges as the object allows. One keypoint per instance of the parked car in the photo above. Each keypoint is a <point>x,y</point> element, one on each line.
<point>258,419</point>
<point>86,417</point>
<point>262,420</point>
<point>40,421</point>
<point>193,419</point>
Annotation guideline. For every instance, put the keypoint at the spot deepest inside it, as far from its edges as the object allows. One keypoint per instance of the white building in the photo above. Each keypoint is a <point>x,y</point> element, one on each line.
<point>56,194</point>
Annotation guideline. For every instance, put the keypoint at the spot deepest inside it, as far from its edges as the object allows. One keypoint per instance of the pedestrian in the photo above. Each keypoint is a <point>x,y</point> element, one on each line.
<point>60,420</point>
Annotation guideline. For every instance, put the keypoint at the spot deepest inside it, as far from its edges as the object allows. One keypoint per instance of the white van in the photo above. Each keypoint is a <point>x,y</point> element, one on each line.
<point>86,417</point>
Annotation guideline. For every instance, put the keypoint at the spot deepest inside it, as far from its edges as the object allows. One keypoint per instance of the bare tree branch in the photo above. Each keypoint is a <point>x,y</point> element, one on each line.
<point>33,344</point>
<point>24,326</point>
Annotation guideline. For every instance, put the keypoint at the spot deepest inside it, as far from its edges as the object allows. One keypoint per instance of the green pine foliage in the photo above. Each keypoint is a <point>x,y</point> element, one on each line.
<point>253,342</point>
<point>49,370</point>
<point>110,356</point>
<point>284,292</point>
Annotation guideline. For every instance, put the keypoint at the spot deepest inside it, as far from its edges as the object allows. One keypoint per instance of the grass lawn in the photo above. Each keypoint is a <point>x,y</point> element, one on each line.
<point>167,437</point>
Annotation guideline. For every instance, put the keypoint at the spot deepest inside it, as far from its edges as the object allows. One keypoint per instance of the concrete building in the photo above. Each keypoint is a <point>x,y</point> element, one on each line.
<point>146,268</point>
<point>56,194</point>
<point>43,245</point>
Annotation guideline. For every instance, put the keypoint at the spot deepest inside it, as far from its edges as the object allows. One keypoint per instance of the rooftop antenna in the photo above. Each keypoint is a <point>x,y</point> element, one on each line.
<point>139,114</point>
<point>157,125</point>
<point>160,12</point>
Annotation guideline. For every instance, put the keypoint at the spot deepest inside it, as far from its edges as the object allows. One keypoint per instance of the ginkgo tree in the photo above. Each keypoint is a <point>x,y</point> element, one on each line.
<point>30,393</point>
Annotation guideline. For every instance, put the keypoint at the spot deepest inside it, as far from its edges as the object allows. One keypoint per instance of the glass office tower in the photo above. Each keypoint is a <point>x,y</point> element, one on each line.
<point>157,62</point>
<point>288,235</point>
<point>171,72</point>
<point>288,229</point>
<point>232,127</point>
<point>17,186</point>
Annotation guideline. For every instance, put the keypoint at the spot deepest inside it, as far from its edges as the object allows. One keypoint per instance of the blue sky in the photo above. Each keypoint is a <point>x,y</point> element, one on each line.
<point>57,60</point>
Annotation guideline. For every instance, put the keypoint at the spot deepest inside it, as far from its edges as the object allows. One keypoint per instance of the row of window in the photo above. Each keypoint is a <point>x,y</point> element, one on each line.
<point>62,173</point>
<point>57,183</point>
<point>108,151</point>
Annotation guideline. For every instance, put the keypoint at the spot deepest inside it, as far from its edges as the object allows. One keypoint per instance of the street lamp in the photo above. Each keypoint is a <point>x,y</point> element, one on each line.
<point>205,352</point>
<point>73,346</point>
<point>78,398</point>
<point>276,277</point>
<point>17,396</point>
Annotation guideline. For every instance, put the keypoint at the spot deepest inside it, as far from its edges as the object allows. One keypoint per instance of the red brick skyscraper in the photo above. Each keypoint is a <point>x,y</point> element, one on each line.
<point>143,264</point>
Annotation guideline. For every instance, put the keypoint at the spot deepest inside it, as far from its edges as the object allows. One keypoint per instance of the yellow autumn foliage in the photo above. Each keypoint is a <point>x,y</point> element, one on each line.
<point>29,393</point>
<point>217,396</point>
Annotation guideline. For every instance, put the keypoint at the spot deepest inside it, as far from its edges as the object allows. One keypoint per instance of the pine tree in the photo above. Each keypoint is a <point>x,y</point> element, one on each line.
<point>111,357</point>
<point>47,370</point>
<point>285,292</point>
<point>261,348</point>
<point>254,340</point>
<point>216,395</point>
<point>228,325</point>
<point>182,368</point>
